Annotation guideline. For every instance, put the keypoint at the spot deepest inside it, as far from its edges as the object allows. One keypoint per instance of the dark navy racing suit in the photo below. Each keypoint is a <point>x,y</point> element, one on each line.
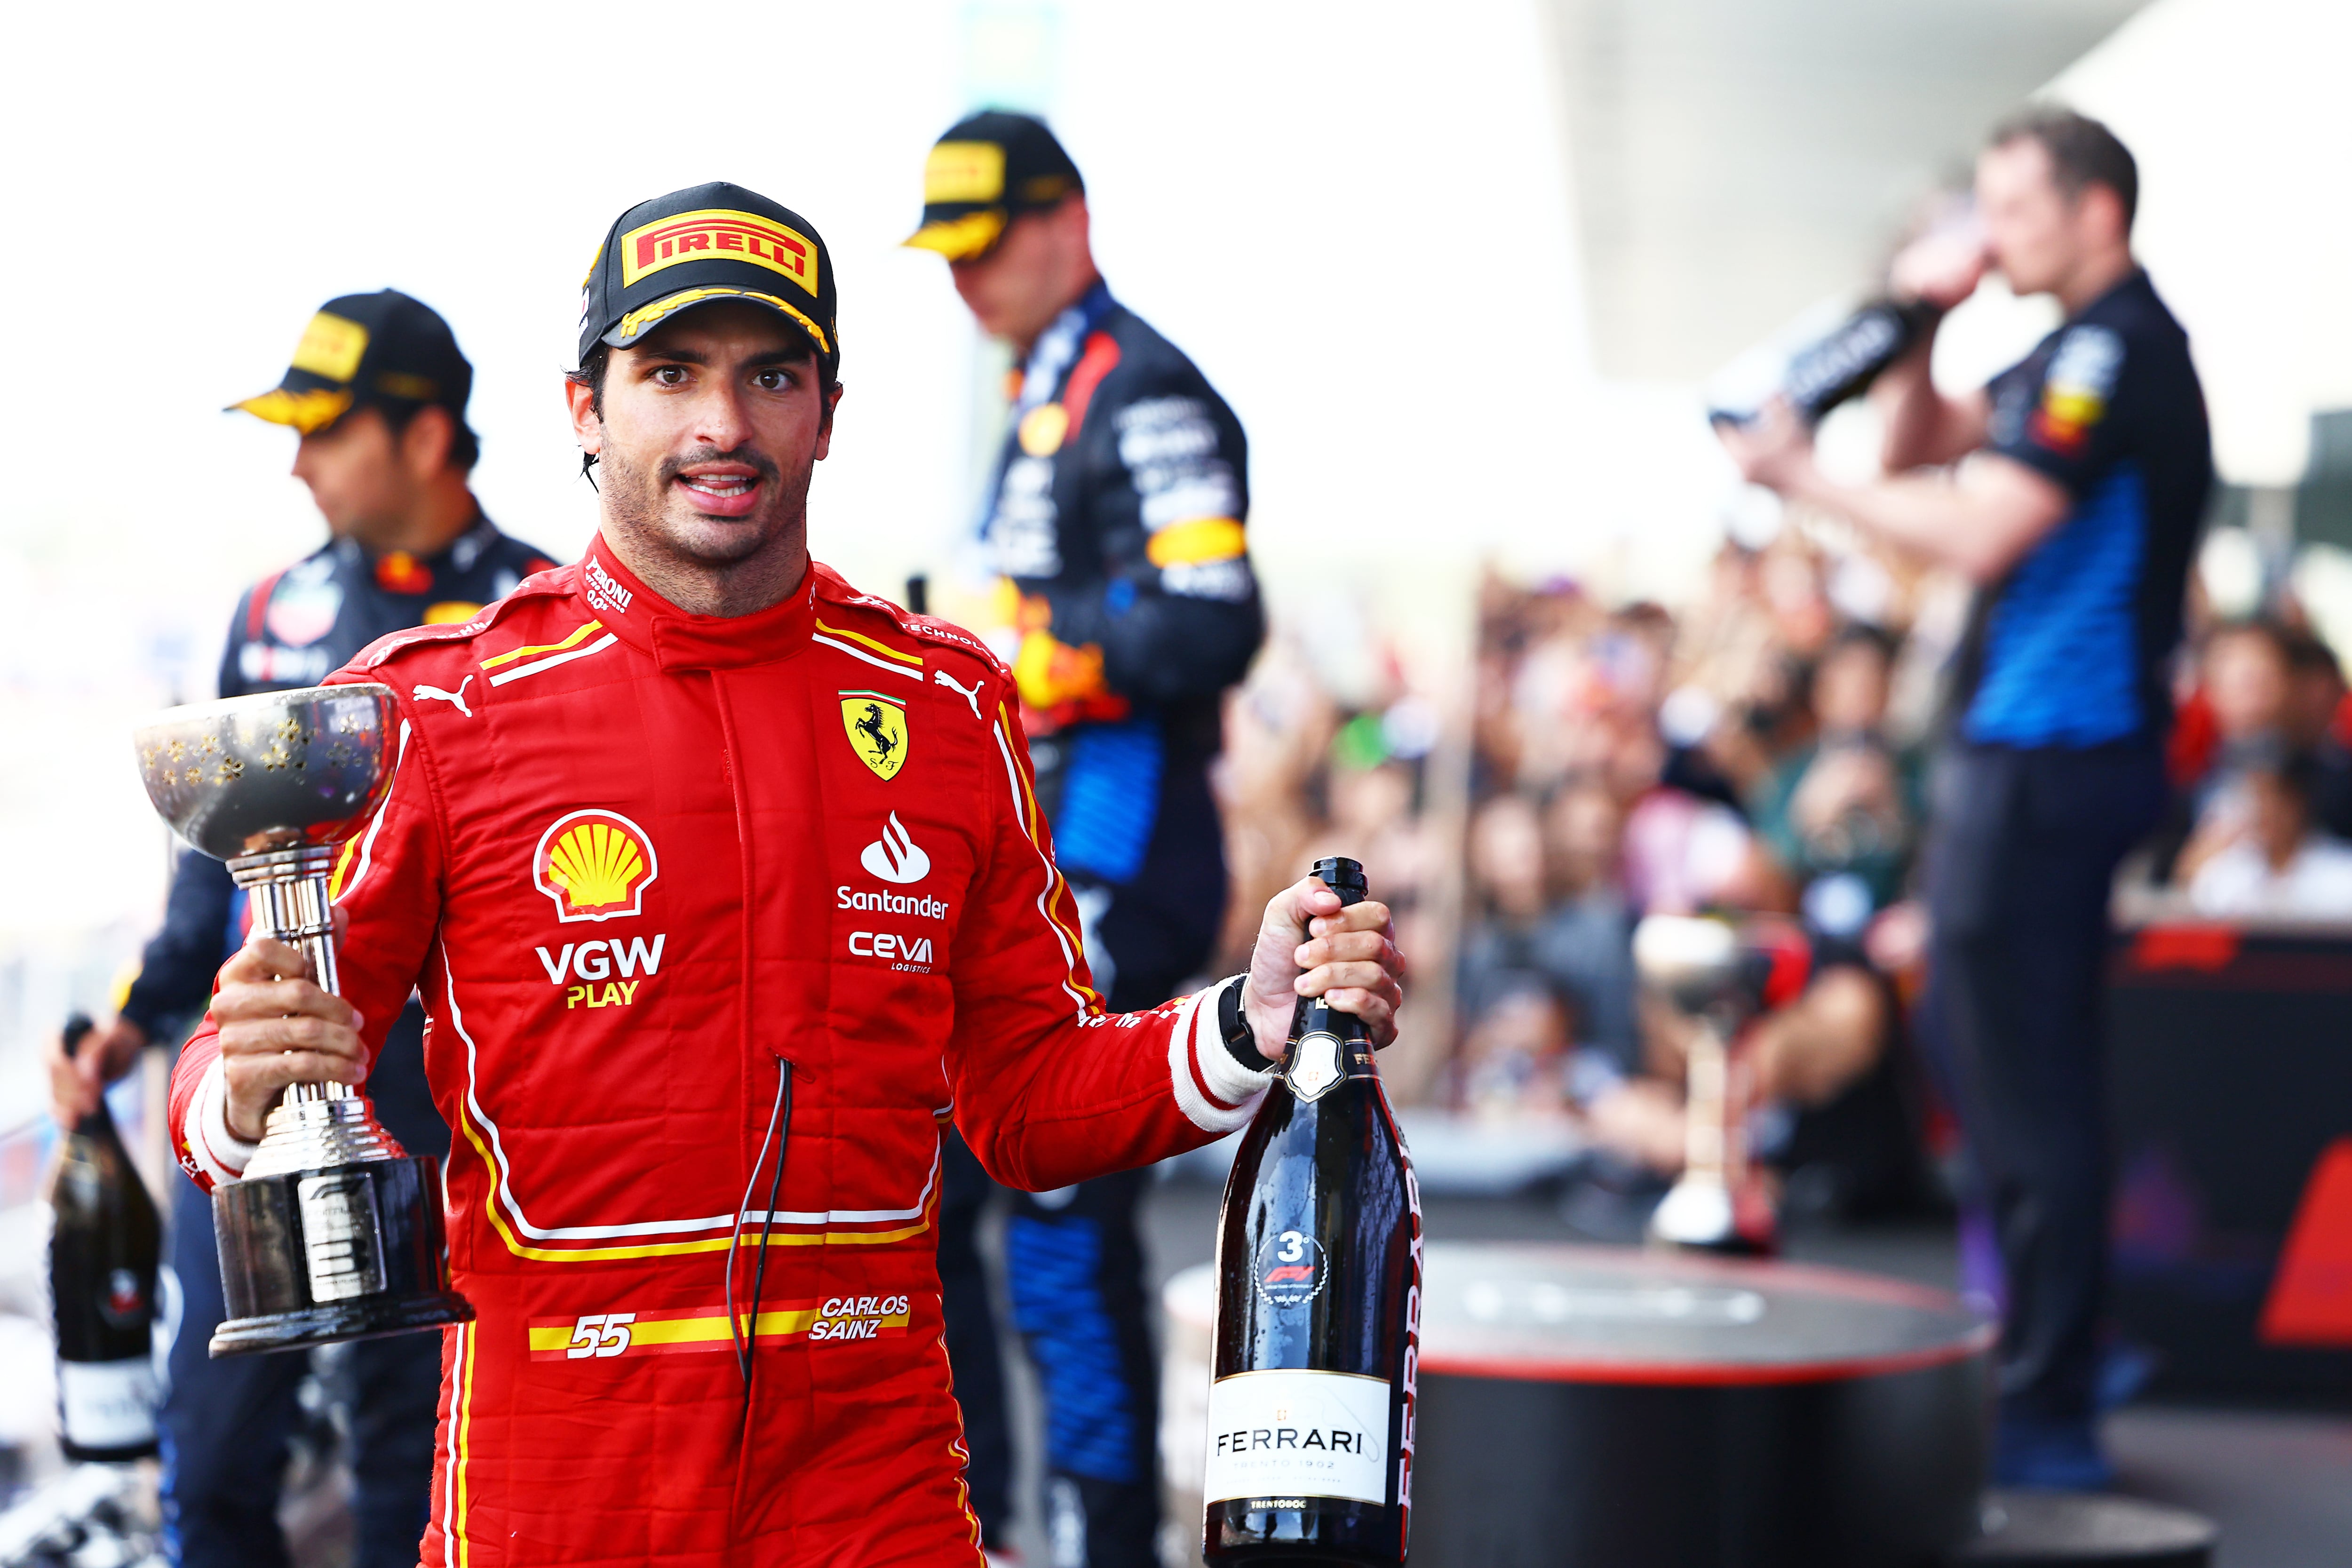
<point>226,1424</point>
<point>1127,608</point>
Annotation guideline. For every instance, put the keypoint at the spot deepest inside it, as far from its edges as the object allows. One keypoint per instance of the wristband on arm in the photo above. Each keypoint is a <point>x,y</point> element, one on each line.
<point>1241,1040</point>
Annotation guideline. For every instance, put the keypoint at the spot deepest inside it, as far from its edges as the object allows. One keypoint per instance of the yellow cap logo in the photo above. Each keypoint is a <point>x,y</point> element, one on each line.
<point>963,171</point>
<point>596,865</point>
<point>877,726</point>
<point>715,235</point>
<point>330,347</point>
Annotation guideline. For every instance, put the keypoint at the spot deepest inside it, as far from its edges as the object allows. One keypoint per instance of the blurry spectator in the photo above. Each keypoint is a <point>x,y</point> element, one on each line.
<point>1581,944</point>
<point>1685,854</point>
<point>2319,716</point>
<point>1842,814</point>
<point>2267,860</point>
<point>1514,1059</point>
<point>1586,944</point>
<point>1831,1095</point>
<point>2245,683</point>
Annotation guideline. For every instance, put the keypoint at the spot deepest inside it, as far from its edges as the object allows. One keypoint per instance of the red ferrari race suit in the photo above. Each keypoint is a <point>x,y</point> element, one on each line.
<point>636,860</point>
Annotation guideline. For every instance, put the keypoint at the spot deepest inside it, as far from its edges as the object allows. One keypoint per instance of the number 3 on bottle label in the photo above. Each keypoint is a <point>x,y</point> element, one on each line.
<point>600,1334</point>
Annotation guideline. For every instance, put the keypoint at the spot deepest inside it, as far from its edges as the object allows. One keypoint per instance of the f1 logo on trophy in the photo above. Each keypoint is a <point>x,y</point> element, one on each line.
<point>333,1233</point>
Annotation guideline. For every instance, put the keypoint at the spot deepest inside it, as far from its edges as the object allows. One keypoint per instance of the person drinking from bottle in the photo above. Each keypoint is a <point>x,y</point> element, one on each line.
<point>2082,476</point>
<point>726,888</point>
<point>1126,606</point>
<point>377,394</point>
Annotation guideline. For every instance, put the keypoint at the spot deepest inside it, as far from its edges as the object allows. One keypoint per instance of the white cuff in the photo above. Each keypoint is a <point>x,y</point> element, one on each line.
<point>1216,1093</point>
<point>222,1153</point>
<point>1227,1079</point>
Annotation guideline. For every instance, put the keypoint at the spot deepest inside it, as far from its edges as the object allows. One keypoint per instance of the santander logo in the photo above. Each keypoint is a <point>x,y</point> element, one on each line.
<point>895,857</point>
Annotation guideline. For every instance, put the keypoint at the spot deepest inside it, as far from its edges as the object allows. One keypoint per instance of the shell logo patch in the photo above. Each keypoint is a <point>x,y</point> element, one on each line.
<point>876,725</point>
<point>595,865</point>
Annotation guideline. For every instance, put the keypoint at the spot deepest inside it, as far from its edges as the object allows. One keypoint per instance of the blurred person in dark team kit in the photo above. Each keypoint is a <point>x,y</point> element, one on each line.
<point>377,391</point>
<point>2076,512</point>
<point>1126,606</point>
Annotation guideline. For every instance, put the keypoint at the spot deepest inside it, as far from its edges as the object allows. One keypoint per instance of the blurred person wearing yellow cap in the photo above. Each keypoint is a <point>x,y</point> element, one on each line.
<point>377,392</point>
<point>1126,606</point>
<point>2083,474</point>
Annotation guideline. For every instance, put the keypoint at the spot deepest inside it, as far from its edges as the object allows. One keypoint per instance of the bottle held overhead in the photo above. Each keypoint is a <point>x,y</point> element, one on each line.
<point>105,1243</point>
<point>1319,1304</point>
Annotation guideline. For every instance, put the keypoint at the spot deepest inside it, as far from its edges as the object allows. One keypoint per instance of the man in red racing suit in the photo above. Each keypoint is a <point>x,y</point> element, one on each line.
<point>718,918</point>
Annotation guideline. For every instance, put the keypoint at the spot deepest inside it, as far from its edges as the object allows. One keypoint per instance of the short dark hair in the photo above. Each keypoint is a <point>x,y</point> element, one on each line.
<point>590,375</point>
<point>464,446</point>
<point>2082,151</point>
<point>1863,634</point>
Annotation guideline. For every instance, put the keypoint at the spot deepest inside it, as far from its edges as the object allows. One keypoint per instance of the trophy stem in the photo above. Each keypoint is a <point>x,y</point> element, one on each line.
<point>331,1232</point>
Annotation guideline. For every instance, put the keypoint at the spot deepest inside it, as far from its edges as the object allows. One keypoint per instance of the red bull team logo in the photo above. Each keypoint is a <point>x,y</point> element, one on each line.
<point>596,864</point>
<point>715,235</point>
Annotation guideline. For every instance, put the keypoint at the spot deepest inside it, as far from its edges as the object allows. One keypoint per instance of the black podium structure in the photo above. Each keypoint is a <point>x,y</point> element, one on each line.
<point>1598,1407</point>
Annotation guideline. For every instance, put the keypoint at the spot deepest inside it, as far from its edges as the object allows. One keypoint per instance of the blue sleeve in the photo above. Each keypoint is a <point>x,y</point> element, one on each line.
<point>175,972</point>
<point>2061,421</point>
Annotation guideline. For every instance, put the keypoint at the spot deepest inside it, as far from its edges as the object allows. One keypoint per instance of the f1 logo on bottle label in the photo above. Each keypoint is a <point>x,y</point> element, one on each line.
<point>1289,1268</point>
<point>1299,1434</point>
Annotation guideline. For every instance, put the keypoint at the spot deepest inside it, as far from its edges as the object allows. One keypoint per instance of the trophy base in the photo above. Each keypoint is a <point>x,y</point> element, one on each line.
<point>369,1319</point>
<point>1703,1216</point>
<point>338,1252</point>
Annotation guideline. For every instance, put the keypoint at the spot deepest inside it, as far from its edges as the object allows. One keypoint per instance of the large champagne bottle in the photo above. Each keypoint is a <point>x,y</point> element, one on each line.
<point>104,1246</point>
<point>1319,1310</point>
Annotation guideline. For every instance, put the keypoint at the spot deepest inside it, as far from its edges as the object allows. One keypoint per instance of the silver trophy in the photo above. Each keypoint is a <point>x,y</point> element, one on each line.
<point>332,1233</point>
<point>1706,970</point>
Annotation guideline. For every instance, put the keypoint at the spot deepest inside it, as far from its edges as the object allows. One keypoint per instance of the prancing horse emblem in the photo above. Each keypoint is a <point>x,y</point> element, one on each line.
<point>877,726</point>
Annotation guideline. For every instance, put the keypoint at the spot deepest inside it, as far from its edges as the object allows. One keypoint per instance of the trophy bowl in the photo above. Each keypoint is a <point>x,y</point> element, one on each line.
<point>284,770</point>
<point>332,1232</point>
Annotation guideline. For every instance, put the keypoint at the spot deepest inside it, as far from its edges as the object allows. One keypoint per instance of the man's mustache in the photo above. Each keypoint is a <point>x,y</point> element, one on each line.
<point>671,467</point>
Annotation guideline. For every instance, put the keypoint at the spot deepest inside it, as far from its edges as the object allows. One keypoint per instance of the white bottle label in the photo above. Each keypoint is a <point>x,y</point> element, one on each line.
<point>108,1404</point>
<point>1278,1435</point>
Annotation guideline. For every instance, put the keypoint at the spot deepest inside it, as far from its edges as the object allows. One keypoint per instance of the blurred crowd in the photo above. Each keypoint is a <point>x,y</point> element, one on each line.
<point>1762,752</point>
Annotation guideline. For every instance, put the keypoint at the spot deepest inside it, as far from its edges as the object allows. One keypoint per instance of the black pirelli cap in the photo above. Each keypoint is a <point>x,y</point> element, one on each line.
<point>988,170</point>
<point>384,348</point>
<point>702,243</point>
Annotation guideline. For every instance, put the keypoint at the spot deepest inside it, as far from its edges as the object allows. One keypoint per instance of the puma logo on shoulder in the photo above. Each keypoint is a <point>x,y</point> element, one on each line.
<point>971,694</point>
<point>453,699</point>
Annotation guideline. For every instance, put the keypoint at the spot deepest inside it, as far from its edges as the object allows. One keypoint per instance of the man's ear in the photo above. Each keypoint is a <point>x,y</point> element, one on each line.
<point>425,445</point>
<point>587,428</point>
<point>2103,210</point>
<point>824,426</point>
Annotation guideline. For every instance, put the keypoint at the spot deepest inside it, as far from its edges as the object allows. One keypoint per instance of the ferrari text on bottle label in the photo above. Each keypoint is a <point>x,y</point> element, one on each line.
<point>1303,1434</point>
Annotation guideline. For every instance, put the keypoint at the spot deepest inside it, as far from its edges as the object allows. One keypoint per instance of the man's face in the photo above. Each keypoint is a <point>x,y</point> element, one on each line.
<point>1020,285</point>
<point>1850,689</point>
<point>2033,227</point>
<point>357,474</point>
<point>711,430</point>
<point>2246,682</point>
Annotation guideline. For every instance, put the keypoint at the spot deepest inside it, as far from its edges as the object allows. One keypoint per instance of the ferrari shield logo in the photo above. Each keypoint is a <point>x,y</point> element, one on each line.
<point>876,727</point>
